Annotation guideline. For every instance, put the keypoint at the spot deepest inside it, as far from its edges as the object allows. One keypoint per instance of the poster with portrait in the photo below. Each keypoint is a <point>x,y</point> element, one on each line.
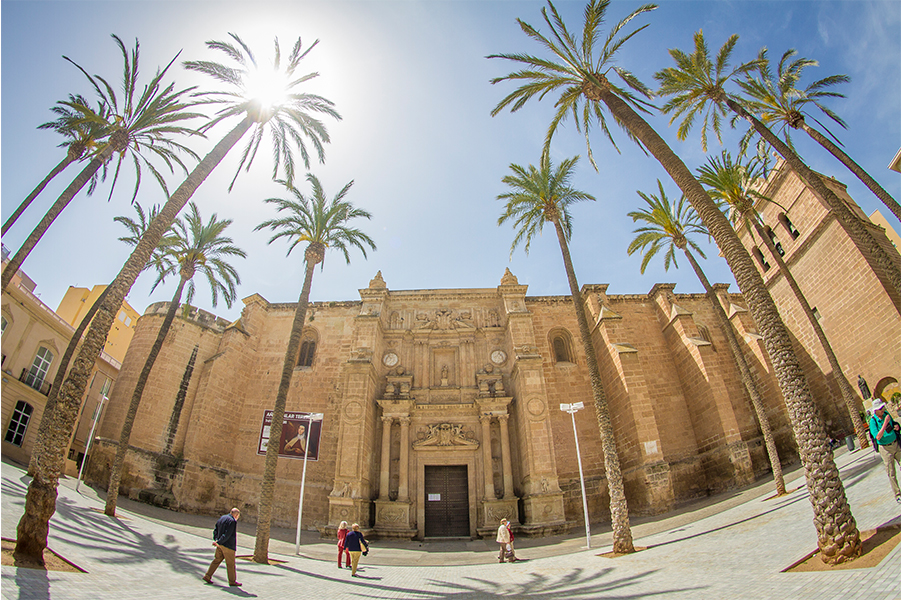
<point>300,435</point>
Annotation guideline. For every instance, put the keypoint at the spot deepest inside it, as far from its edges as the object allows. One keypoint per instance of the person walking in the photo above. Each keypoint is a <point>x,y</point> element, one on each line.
<point>342,548</point>
<point>882,427</point>
<point>225,537</point>
<point>355,542</point>
<point>504,539</point>
<point>511,555</point>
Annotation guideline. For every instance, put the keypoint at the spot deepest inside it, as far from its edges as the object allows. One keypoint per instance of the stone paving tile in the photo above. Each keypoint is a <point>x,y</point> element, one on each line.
<point>733,549</point>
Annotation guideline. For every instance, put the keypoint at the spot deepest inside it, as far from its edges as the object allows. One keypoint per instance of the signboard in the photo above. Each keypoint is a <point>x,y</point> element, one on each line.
<point>300,435</point>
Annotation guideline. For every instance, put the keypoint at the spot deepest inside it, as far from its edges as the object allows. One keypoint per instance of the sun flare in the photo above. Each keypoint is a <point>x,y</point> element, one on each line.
<point>267,86</point>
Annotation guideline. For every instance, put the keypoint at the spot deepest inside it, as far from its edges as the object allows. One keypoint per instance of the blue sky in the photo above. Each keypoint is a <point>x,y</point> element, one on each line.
<point>412,83</point>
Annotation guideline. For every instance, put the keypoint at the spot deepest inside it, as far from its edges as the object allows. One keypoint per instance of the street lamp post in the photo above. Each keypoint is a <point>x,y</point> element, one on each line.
<point>90,442</point>
<point>572,409</point>
<point>303,478</point>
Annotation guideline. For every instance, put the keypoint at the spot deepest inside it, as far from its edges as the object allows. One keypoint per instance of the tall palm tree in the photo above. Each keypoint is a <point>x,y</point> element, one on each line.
<point>732,182</point>
<point>779,101</point>
<point>580,77</point>
<point>192,246</point>
<point>143,124</point>
<point>697,86</point>
<point>294,119</point>
<point>670,226</point>
<point>544,195</point>
<point>321,224</point>
<point>136,229</point>
<point>81,137</point>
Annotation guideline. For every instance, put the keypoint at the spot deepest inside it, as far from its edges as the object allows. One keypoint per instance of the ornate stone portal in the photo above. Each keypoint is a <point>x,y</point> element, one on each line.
<point>435,374</point>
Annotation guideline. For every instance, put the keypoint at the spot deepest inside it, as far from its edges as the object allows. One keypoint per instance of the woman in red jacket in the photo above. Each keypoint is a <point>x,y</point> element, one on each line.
<point>342,535</point>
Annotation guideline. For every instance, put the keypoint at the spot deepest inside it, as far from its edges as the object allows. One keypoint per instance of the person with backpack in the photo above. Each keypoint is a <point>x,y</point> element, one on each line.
<point>882,427</point>
<point>225,538</point>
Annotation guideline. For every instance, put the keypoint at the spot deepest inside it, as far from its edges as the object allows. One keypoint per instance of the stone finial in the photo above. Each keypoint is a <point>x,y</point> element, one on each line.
<point>377,283</point>
<point>509,278</point>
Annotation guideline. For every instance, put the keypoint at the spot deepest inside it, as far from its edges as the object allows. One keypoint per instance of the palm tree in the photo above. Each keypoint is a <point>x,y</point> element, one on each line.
<point>136,229</point>
<point>579,76</point>
<point>733,182</point>
<point>294,119</point>
<point>697,85</point>
<point>81,137</point>
<point>779,101</point>
<point>193,246</point>
<point>320,224</point>
<point>141,125</point>
<point>544,195</point>
<point>669,226</point>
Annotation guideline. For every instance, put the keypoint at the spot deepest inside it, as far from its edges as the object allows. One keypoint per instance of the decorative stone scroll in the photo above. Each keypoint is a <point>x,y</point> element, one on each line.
<point>444,435</point>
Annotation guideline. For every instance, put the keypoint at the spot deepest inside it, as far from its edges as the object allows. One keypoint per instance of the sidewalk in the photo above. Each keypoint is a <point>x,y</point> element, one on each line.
<point>732,546</point>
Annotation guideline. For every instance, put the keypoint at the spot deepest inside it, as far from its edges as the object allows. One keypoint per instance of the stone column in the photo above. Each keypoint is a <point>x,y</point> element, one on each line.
<point>505,456</point>
<point>403,494</point>
<point>485,420</point>
<point>384,475</point>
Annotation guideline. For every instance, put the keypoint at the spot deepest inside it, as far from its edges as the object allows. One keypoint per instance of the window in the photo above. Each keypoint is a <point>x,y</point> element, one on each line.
<point>776,243</point>
<point>39,368</point>
<point>307,350</point>
<point>125,318</point>
<point>3,323</point>
<point>705,335</point>
<point>15,433</point>
<point>792,231</point>
<point>562,347</point>
<point>759,256</point>
<point>104,391</point>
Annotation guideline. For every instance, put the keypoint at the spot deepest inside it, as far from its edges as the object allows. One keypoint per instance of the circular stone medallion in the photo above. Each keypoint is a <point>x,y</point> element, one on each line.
<point>535,407</point>
<point>498,357</point>
<point>353,411</point>
<point>390,359</point>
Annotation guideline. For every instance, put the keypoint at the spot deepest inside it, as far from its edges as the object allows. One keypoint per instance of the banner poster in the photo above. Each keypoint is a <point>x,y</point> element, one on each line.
<point>300,435</point>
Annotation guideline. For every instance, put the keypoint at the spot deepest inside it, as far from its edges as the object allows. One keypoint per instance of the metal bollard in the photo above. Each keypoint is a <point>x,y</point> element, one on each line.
<point>849,441</point>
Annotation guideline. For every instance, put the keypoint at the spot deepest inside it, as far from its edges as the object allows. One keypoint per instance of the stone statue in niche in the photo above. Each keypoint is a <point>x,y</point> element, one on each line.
<point>444,374</point>
<point>445,434</point>
<point>340,492</point>
<point>396,321</point>
<point>493,319</point>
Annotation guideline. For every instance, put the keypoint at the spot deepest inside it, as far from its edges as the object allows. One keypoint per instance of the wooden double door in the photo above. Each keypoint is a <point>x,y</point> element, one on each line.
<point>446,501</point>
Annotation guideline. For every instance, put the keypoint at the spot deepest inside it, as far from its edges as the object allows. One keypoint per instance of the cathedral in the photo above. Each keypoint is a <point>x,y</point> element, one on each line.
<point>434,413</point>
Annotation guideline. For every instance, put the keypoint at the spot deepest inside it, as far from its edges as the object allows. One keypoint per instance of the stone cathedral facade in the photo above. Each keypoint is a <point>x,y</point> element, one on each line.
<point>441,407</point>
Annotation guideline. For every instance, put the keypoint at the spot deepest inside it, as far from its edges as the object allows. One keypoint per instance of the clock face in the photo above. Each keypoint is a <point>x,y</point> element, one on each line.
<point>390,359</point>
<point>498,357</point>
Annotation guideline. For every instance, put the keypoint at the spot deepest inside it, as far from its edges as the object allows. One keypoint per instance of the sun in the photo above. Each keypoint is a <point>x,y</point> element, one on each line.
<point>267,86</point>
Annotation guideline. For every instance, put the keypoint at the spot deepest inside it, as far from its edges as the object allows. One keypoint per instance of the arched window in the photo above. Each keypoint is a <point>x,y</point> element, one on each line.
<point>561,344</point>
<point>705,335</point>
<point>776,243</point>
<point>39,368</point>
<point>307,350</point>
<point>15,433</point>
<point>759,256</point>
<point>792,230</point>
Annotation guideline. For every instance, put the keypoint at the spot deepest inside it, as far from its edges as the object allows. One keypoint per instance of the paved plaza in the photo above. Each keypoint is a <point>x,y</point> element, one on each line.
<point>730,547</point>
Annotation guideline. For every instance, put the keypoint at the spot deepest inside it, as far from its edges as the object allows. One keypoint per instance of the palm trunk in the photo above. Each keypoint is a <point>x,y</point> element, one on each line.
<point>12,267</point>
<point>747,378</point>
<point>847,392</point>
<point>313,256</point>
<point>112,494</point>
<point>855,228</point>
<point>837,533</point>
<point>177,408</point>
<point>34,193</point>
<point>855,168</point>
<point>40,501</point>
<point>619,510</point>
<point>49,407</point>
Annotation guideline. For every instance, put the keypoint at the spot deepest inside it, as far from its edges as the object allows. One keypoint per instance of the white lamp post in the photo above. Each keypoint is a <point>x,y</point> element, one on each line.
<point>90,442</point>
<point>572,409</point>
<point>303,478</point>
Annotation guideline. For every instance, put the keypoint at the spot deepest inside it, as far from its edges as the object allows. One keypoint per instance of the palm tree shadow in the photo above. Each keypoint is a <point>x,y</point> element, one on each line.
<point>578,583</point>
